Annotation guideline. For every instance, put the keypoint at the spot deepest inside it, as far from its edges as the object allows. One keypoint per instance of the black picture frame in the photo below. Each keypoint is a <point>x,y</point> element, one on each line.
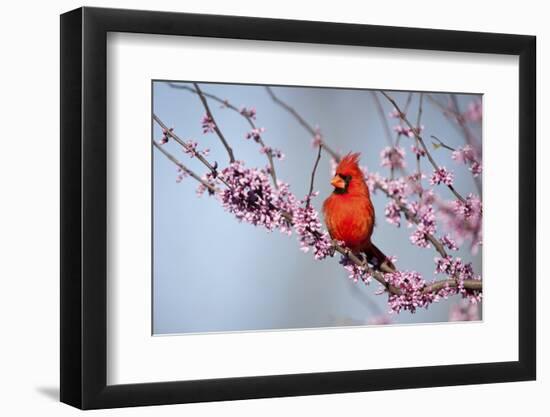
<point>84,207</point>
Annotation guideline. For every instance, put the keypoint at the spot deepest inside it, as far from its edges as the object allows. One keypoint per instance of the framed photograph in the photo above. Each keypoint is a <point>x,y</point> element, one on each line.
<point>257,208</point>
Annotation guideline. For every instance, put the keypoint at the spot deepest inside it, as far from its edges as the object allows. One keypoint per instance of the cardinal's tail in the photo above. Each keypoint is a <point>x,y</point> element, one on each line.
<point>376,257</point>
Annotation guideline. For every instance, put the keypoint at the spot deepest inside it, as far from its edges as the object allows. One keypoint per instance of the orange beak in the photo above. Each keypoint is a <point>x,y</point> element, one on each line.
<point>338,182</point>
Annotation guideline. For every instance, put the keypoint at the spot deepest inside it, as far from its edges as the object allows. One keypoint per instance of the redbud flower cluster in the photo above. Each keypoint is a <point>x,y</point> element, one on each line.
<point>467,156</point>
<point>442,176</point>
<point>208,125</point>
<point>392,157</point>
<point>248,112</point>
<point>355,272</point>
<point>310,232</point>
<point>166,135</point>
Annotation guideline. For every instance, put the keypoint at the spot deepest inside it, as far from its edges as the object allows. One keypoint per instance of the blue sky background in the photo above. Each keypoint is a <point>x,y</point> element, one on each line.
<point>214,274</point>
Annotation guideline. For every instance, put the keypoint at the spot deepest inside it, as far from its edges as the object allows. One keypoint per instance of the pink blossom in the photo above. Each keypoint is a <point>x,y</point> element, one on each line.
<point>474,112</point>
<point>394,114</point>
<point>392,157</point>
<point>467,156</point>
<point>373,179</point>
<point>191,149</point>
<point>209,178</point>
<point>464,155</point>
<point>355,272</point>
<point>449,242</point>
<point>413,288</point>
<point>460,271</point>
<point>464,311</point>
<point>426,225</point>
<point>464,220</point>
<point>415,131</point>
<point>333,166</point>
<point>418,151</point>
<point>276,153</point>
<point>285,202</point>
<point>255,133</point>
<point>310,232</point>
<point>317,139</point>
<point>250,197</point>
<point>411,284</point>
<point>396,188</point>
<point>476,169</point>
<point>249,113</point>
<point>414,208</point>
<point>166,135</point>
<point>400,130</point>
<point>407,131</point>
<point>428,196</point>
<point>181,175</point>
<point>442,176</point>
<point>392,212</point>
<point>208,125</point>
<point>414,183</point>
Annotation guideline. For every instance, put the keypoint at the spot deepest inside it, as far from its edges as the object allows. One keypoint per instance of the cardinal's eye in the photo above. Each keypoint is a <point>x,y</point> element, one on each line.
<point>346,178</point>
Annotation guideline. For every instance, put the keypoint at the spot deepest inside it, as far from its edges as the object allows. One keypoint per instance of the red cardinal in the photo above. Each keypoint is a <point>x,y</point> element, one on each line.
<point>349,213</point>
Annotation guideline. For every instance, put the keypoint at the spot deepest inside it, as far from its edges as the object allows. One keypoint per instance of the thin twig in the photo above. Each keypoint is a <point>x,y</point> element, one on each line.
<point>212,168</point>
<point>468,135</point>
<point>432,239</point>
<point>302,122</point>
<point>454,113</point>
<point>463,128</point>
<point>470,284</point>
<point>474,285</point>
<point>414,219</point>
<point>227,104</point>
<point>405,111</point>
<point>188,171</point>
<point>443,144</point>
<point>392,143</point>
<point>222,101</point>
<point>418,120</point>
<point>419,138</point>
<point>312,182</point>
<point>378,276</point>
<point>451,282</point>
<point>470,139</point>
<point>215,125</point>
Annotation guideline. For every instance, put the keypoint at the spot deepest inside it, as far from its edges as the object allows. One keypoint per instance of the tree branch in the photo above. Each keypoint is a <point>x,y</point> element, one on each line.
<point>226,103</point>
<point>216,128</point>
<point>302,122</point>
<point>418,120</point>
<point>469,284</point>
<point>312,182</point>
<point>189,172</point>
<point>443,144</point>
<point>432,239</point>
<point>405,111</point>
<point>212,168</point>
<point>473,285</point>
<point>468,136</point>
<point>411,217</point>
<point>455,114</point>
<point>419,138</point>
